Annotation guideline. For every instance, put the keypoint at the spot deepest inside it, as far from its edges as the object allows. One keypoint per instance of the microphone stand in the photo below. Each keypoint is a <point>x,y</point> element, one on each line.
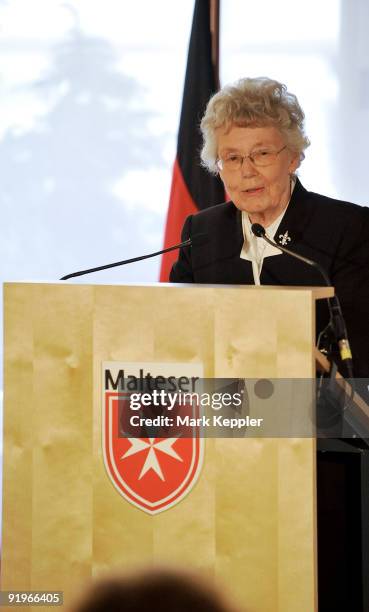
<point>336,328</point>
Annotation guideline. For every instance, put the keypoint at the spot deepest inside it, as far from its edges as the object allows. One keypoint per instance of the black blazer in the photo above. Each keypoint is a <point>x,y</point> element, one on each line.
<point>333,233</point>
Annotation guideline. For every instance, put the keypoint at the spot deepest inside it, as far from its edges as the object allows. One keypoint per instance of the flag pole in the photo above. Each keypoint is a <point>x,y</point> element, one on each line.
<point>214,29</point>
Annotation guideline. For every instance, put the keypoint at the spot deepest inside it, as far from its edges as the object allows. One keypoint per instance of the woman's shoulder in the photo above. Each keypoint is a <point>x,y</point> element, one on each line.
<point>334,206</point>
<point>218,212</point>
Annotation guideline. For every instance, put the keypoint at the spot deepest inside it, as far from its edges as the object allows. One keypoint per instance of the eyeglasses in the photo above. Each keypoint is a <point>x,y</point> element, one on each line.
<point>261,157</point>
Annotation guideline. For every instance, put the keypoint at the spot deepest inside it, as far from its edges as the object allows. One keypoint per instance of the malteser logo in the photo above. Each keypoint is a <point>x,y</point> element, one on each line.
<point>152,462</point>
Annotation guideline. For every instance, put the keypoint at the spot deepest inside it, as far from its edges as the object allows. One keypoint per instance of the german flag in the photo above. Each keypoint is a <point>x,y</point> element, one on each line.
<point>193,188</point>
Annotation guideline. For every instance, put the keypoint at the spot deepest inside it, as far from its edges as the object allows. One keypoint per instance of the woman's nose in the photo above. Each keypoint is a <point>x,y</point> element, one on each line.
<point>247,167</point>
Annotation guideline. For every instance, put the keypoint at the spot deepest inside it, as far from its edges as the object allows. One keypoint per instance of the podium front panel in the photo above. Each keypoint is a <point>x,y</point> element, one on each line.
<point>249,519</point>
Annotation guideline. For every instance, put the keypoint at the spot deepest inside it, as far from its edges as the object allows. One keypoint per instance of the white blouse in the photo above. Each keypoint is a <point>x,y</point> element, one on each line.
<point>255,249</point>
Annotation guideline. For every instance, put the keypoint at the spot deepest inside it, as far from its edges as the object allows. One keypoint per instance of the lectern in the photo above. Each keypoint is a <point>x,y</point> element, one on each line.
<point>250,515</point>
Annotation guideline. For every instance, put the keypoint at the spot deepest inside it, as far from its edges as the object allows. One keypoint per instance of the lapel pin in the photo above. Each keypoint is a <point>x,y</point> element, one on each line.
<point>284,239</point>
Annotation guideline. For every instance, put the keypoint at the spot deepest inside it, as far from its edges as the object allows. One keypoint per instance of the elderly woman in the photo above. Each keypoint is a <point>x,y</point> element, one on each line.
<point>254,138</point>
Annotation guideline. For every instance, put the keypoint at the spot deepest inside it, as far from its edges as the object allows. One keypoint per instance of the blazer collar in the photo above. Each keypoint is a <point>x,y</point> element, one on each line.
<point>294,221</point>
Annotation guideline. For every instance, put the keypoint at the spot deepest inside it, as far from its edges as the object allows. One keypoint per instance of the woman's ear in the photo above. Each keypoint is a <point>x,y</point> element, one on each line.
<point>294,163</point>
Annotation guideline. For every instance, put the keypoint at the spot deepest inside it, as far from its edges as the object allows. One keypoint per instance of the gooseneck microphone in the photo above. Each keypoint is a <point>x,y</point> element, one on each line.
<point>196,240</point>
<point>337,322</point>
<point>259,231</point>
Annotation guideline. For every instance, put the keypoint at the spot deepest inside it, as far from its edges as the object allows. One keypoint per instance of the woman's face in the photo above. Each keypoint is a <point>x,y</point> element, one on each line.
<point>262,191</point>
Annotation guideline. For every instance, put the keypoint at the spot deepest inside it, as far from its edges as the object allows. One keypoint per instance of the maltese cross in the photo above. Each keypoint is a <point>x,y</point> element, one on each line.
<point>151,447</point>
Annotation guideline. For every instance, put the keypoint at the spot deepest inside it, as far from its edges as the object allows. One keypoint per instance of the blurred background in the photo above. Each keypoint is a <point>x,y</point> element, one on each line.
<point>90,102</point>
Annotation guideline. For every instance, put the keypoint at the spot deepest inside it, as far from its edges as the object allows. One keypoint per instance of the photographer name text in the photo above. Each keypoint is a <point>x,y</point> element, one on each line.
<point>203,421</point>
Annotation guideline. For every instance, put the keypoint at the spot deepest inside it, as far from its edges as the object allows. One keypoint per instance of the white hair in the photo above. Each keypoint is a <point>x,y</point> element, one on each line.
<point>253,102</point>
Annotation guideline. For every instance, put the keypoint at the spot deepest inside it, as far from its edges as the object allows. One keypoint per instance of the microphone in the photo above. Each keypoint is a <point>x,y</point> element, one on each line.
<point>259,231</point>
<point>196,240</point>
<point>337,322</point>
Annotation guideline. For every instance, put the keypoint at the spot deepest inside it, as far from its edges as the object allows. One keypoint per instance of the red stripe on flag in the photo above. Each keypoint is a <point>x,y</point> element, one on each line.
<point>180,206</point>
